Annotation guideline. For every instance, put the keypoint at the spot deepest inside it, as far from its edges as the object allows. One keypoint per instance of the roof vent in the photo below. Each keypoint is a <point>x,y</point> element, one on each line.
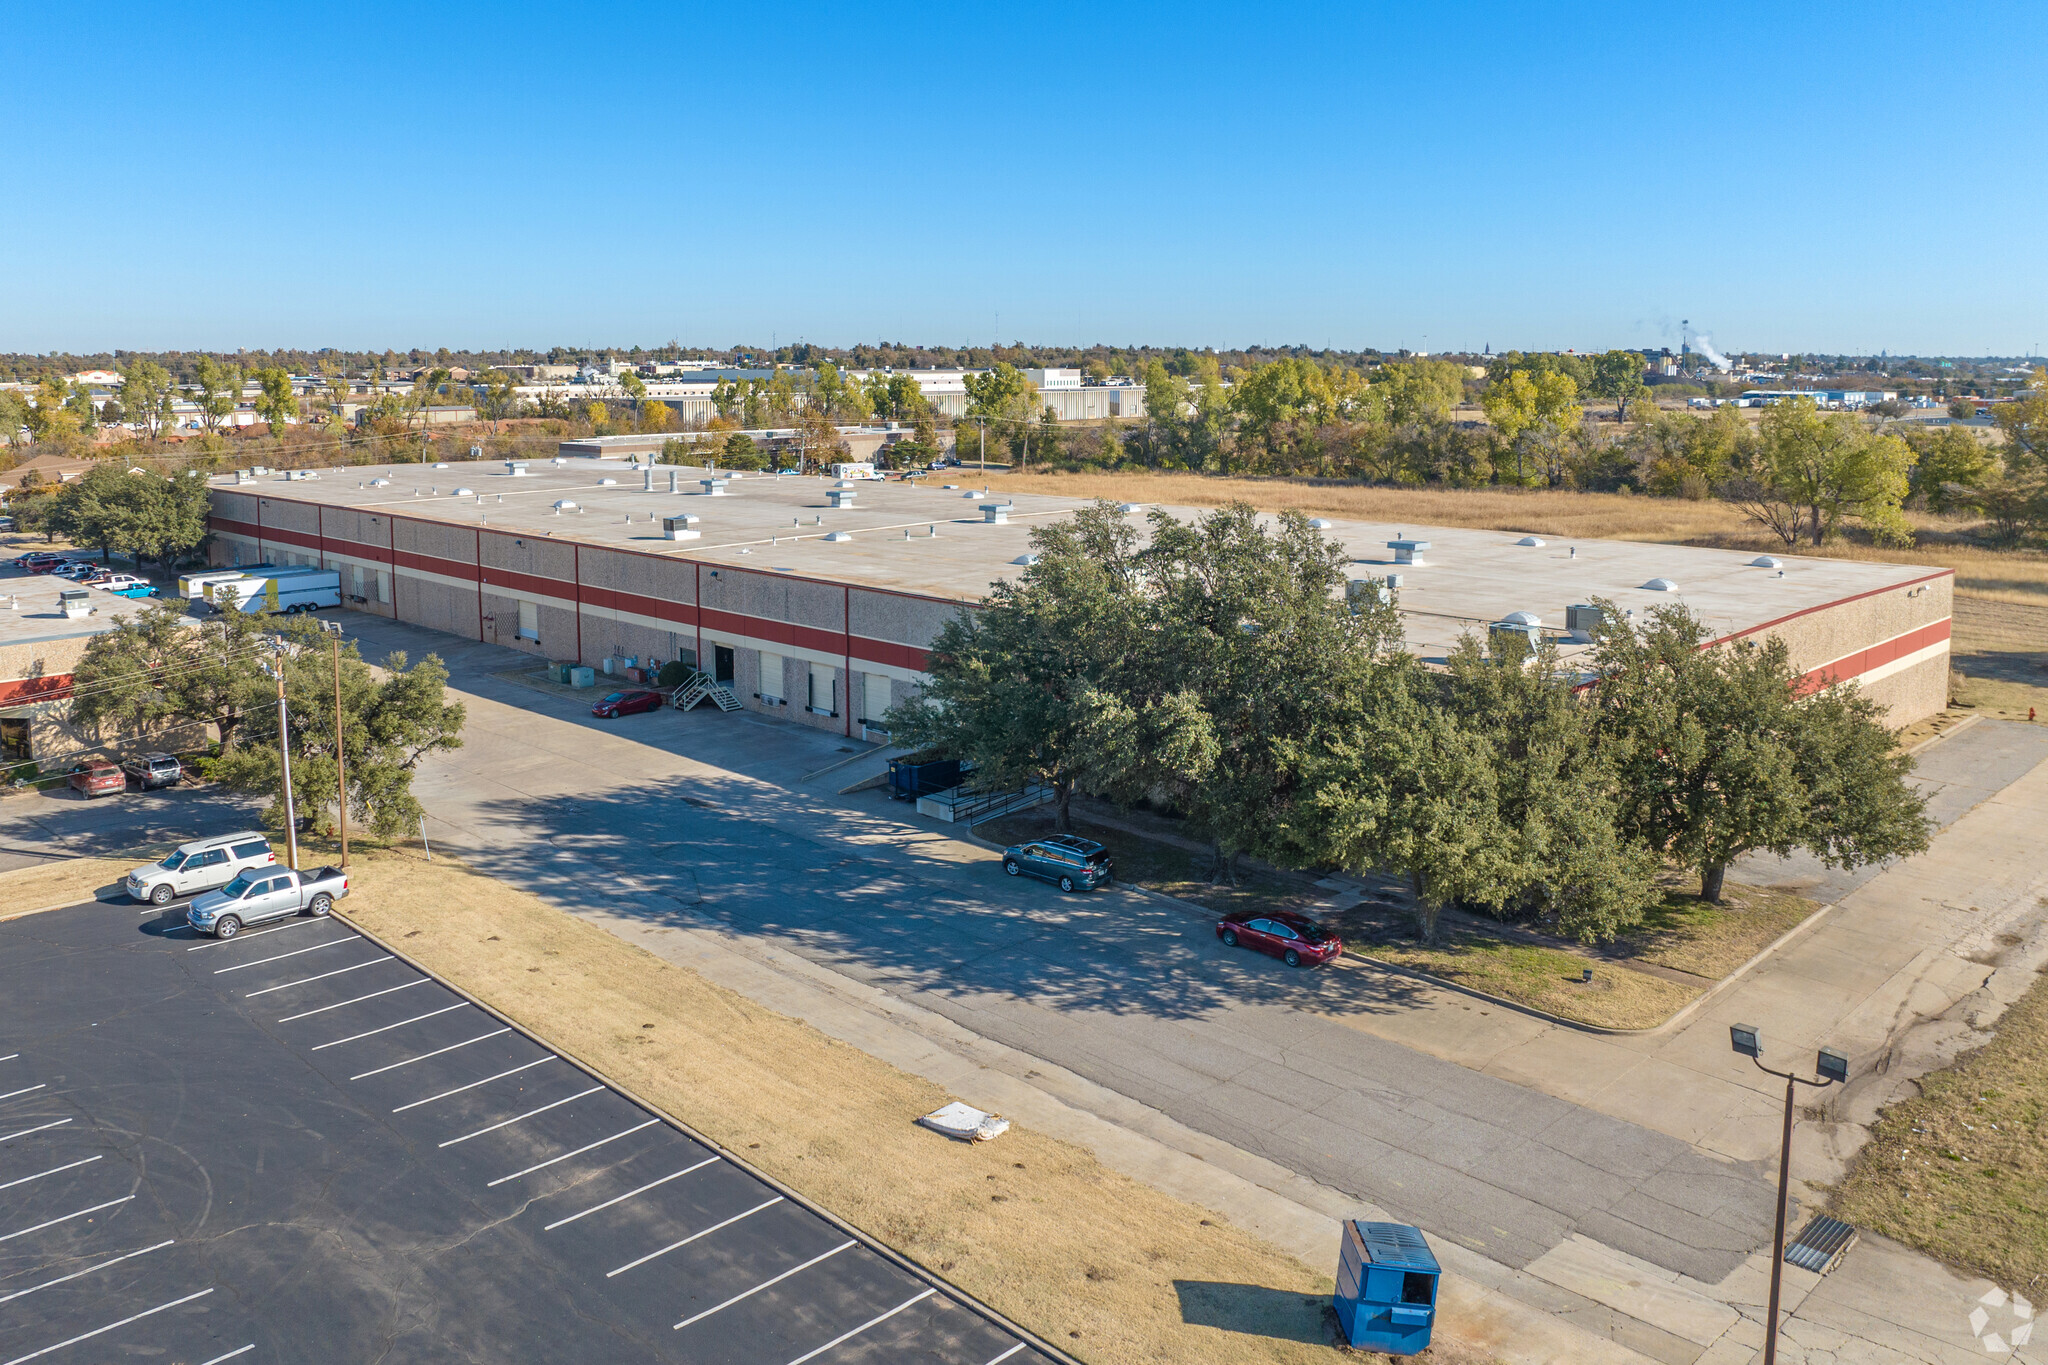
<point>837,536</point>
<point>1320,523</point>
<point>1766,562</point>
<point>1534,542</point>
<point>1522,618</point>
<point>1408,551</point>
<point>465,493</point>
<point>1660,585</point>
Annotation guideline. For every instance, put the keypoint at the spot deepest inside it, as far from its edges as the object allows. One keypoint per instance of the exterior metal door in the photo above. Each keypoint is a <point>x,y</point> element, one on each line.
<point>721,656</point>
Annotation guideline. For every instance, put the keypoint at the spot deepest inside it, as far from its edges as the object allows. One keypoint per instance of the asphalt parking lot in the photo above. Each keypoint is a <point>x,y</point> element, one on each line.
<point>294,1146</point>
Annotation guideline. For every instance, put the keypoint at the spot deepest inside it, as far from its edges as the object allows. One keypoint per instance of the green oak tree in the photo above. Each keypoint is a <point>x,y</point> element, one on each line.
<point>1725,749</point>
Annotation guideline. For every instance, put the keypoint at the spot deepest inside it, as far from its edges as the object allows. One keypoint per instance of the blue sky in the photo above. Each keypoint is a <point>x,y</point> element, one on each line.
<point>1828,178</point>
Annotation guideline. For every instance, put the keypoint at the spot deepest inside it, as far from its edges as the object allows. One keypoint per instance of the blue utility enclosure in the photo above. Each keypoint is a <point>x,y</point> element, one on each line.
<point>1386,1287</point>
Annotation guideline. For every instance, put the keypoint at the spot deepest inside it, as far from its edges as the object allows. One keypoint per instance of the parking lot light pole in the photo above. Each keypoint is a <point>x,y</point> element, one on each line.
<point>1831,1066</point>
<point>284,753</point>
<point>340,748</point>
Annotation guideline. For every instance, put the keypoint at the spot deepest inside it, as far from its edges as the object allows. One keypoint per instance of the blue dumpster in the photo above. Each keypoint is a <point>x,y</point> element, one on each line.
<point>1386,1287</point>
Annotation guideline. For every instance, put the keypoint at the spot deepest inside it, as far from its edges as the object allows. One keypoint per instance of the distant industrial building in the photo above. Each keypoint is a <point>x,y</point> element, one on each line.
<point>1826,398</point>
<point>818,603</point>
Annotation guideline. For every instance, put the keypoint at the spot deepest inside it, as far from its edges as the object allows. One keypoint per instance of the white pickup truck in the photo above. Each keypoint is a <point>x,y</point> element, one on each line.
<point>263,893</point>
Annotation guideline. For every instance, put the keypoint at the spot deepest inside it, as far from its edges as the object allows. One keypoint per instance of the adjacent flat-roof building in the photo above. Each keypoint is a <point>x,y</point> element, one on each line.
<point>818,603</point>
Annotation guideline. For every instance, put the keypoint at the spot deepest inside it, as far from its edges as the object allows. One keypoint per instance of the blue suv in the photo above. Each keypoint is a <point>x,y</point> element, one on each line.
<point>1067,861</point>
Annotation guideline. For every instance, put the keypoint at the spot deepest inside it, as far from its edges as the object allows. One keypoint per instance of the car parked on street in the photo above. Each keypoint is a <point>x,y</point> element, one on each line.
<point>1068,861</point>
<point>200,866</point>
<point>151,771</point>
<point>1295,939</point>
<point>95,777</point>
<point>263,894</point>
<point>627,703</point>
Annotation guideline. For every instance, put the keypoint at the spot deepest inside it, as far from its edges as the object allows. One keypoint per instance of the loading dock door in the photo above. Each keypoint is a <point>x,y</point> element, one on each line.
<point>877,699</point>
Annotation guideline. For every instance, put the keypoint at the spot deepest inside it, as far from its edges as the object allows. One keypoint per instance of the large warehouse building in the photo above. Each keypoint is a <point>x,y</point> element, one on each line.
<point>818,602</point>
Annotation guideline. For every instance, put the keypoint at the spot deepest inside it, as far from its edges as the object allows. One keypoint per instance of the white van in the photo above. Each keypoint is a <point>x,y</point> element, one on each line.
<point>199,866</point>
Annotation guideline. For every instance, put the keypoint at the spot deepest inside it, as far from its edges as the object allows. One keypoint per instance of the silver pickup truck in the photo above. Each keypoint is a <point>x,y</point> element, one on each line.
<point>262,893</point>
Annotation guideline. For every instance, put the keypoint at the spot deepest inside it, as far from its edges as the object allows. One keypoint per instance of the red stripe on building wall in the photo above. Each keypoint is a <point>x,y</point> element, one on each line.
<point>841,643</point>
<point>1877,656</point>
<point>22,691</point>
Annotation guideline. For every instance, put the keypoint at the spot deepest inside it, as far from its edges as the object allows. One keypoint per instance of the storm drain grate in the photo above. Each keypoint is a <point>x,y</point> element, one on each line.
<point>1821,1245</point>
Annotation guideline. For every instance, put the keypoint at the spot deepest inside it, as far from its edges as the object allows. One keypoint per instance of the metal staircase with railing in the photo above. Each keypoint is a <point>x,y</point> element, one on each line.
<point>703,687</point>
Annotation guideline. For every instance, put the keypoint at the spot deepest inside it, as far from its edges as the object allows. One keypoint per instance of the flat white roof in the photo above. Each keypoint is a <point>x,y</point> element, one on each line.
<point>930,538</point>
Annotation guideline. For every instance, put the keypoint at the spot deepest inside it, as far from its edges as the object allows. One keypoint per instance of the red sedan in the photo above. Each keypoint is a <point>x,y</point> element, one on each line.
<point>626,703</point>
<point>1296,939</point>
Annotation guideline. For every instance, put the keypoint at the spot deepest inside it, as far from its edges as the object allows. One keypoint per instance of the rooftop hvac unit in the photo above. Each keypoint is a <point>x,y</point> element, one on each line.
<point>1581,620</point>
<point>1359,591</point>
<point>996,513</point>
<point>516,468</point>
<point>713,488</point>
<point>681,528</point>
<point>1408,551</point>
<point>1500,632</point>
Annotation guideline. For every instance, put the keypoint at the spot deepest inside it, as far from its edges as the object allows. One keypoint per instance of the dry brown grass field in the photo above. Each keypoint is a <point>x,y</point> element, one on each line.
<point>1992,575</point>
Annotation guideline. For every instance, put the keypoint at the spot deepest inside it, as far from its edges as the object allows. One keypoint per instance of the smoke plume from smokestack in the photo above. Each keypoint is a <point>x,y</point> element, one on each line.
<point>1714,357</point>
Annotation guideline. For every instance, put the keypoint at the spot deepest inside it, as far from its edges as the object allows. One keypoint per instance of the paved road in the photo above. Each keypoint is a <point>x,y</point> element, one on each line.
<point>1120,988</point>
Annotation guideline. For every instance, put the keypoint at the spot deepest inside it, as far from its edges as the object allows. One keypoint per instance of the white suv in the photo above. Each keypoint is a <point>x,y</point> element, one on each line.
<point>199,866</point>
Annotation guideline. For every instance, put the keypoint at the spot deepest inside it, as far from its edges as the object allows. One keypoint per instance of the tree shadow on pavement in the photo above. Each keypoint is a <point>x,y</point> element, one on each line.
<point>885,902</point>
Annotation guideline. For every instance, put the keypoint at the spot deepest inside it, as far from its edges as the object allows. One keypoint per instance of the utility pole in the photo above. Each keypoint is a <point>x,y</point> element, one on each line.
<point>340,755</point>
<point>284,753</point>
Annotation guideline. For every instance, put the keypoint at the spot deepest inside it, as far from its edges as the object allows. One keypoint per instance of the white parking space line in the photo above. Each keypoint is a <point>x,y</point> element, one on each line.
<point>26,1131</point>
<point>67,1218</point>
<point>998,1360</point>
<point>52,1171</point>
<point>88,1336</point>
<point>309,980</point>
<point>388,990</point>
<point>238,1351</point>
<point>296,952</point>
<point>749,1293</point>
<point>871,1322</point>
<point>256,933</point>
<point>25,1090</point>
<point>424,1055</point>
<point>591,1147</point>
<point>620,1199</point>
<point>693,1237</point>
<point>125,1256</point>
<point>507,1123</point>
<point>474,1084</point>
<point>10,1057</point>
<point>371,1033</point>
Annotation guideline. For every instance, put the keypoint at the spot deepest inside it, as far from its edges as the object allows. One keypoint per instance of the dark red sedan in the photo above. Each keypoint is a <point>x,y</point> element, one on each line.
<point>1296,939</point>
<point>626,703</point>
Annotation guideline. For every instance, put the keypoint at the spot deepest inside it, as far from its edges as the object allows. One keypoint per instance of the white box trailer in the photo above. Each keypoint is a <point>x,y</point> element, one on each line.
<point>309,590</point>
<point>192,586</point>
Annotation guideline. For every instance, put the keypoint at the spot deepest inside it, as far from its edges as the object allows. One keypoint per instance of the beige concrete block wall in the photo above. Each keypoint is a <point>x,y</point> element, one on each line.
<point>912,621</point>
<point>1913,693</point>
